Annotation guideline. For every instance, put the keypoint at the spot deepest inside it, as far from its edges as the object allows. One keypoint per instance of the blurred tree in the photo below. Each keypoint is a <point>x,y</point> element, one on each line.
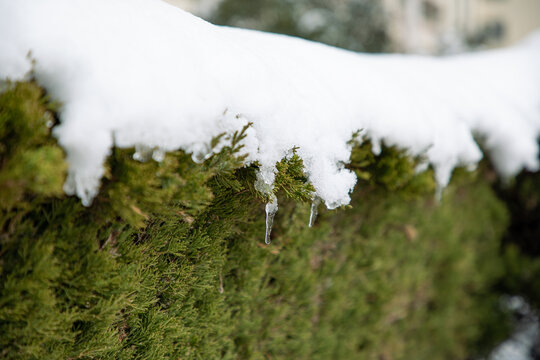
<point>358,25</point>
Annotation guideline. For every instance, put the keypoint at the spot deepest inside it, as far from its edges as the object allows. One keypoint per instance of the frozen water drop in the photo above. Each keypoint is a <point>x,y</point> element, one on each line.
<point>271,209</point>
<point>197,158</point>
<point>421,167</point>
<point>142,153</point>
<point>200,157</point>
<point>138,156</point>
<point>376,146</point>
<point>49,119</point>
<point>314,211</point>
<point>158,155</point>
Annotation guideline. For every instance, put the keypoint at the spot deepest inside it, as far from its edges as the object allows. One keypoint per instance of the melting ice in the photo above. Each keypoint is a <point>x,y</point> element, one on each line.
<point>314,211</point>
<point>271,210</point>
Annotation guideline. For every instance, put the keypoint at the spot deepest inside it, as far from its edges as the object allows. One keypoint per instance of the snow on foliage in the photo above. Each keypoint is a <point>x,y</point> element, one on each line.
<point>146,74</point>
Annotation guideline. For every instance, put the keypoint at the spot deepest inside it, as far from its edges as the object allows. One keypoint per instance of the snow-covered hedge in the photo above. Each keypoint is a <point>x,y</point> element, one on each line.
<point>145,74</point>
<point>169,261</point>
<point>177,132</point>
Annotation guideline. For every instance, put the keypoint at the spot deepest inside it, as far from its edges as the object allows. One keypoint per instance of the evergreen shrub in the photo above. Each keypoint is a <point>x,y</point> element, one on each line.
<point>169,262</point>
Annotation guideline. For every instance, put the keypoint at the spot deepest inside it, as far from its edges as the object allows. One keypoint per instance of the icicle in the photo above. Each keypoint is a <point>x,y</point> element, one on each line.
<point>265,184</point>
<point>271,209</point>
<point>438,193</point>
<point>443,172</point>
<point>314,210</point>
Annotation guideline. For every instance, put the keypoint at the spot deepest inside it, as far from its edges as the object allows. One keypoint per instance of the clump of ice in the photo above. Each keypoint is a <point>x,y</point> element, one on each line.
<point>142,73</point>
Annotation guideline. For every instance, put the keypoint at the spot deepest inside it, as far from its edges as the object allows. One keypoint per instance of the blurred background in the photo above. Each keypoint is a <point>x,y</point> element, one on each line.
<point>408,26</point>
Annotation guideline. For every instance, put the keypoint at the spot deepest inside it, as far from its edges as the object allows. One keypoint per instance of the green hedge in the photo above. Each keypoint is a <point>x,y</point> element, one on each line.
<point>170,262</point>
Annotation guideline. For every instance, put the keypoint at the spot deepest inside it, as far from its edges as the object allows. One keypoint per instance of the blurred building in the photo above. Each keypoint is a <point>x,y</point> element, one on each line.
<point>198,7</point>
<point>446,26</point>
<point>438,26</point>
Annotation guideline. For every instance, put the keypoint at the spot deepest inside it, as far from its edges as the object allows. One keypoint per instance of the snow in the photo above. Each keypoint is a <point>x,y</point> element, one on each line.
<point>144,74</point>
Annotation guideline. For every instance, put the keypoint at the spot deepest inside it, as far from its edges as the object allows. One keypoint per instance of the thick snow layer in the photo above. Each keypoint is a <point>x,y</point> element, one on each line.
<point>144,73</point>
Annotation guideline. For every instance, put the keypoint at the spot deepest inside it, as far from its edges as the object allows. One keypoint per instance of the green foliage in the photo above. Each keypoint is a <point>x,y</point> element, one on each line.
<point>392,170</point>
<point>291,180</point>
<point>28,159</point>
<point>169,262</point>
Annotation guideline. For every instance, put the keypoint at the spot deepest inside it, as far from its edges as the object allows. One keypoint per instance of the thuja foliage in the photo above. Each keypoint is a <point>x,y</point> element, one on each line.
<point>169,262</point>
